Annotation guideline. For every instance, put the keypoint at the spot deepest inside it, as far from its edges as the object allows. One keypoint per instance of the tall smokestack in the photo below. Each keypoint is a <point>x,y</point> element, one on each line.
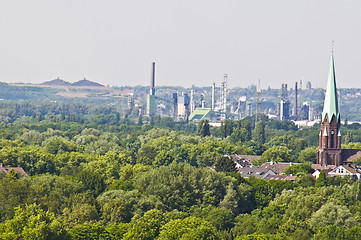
<point>213,95</point>
<point>192,101</point>
<point>296,103</point>
<point>225,93</point>
<point>152,81</point>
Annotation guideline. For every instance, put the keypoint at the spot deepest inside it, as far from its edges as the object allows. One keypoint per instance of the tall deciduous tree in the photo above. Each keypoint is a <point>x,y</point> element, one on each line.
<point>259,133</point>
<point>203,128</point>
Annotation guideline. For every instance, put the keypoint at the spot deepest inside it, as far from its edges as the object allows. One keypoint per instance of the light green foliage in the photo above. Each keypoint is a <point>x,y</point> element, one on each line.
<point>205,153</point>
<point>295,145</point>
<point>117,231</point>
<point>32,137</point>
<point>299,168</point>
<point>163,158</point>
<point>114,211</point>
<point>57,144</point>
<point>89,231</point>
<point>308,155</point>
<point>133,201</point>
<point>276,154</point>
<point>105,144</point>
<point>126,175</point>
<point>351,145</point>
<point>32,223</point>
<point>220,218</point>
<point>245,224</point>
<point>146,227</point>
<point>229,201</point>
<point>53,193</point>
<point>34,160</point>
<point>331,232</point>
<point>80,213</point>
<point>301,202</point>
<point>357,161</point>
<point>332,214</point>
<point>188,228</point>
<point>180,186</point>
<point>286,141</point>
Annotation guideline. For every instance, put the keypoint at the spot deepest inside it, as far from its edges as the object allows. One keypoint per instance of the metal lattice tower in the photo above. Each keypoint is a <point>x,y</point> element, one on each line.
<point>258,100</point>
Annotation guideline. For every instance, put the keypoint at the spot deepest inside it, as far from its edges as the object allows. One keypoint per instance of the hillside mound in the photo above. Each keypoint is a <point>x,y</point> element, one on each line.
<point>56,82</point>
<point>86,83</point>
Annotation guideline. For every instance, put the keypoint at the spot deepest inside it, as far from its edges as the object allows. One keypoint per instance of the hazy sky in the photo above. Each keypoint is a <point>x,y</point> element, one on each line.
<point>114,42</point>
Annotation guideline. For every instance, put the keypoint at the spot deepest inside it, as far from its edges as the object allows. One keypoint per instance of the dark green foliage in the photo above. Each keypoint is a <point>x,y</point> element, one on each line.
<point>225,164</point>
<point>180,186</point>
<point>13,193</point>
<point>259,133</point>
<point>226,128</point>
<point>203,128</point>
<point>220,218</point>
<point>92,181</point>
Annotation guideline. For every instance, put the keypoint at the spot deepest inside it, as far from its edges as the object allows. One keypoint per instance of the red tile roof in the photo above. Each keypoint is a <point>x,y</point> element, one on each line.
<point>19,170</point>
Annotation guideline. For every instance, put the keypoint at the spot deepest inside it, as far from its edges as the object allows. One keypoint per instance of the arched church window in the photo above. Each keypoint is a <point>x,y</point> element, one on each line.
<point>332,139</point>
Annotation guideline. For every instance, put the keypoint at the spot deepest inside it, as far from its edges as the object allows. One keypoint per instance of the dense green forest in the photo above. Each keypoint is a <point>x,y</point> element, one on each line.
<point>96,175</point>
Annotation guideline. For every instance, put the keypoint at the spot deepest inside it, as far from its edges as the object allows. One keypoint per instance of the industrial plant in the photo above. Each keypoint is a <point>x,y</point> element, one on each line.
<point>217,102</point>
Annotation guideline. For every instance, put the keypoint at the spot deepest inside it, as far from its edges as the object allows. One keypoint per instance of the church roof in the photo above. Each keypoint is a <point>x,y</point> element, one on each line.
<point>330,106</point>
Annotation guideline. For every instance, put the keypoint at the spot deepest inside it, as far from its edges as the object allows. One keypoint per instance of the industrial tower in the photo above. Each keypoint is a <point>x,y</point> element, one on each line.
<point>259,100</point>
<point>151,97</point>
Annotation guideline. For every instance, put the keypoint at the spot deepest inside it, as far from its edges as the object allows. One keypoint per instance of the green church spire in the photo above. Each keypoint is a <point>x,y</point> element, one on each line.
<point>330,106</point>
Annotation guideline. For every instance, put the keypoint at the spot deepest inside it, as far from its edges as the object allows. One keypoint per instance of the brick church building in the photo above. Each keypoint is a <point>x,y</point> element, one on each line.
<point>329,149</point>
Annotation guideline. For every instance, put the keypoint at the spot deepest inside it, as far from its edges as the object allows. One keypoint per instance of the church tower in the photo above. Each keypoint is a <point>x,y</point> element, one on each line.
<point>329,149</point>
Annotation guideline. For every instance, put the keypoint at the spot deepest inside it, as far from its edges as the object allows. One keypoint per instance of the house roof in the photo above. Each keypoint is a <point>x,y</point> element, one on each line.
<point>278,167</point>
<point>320,167</point>
<point>317,172</point>
<point>19,170</point>
<point>199,114</point>
<point>276,177</point>
<point>351,169</point>
<point>246,157</point>
<point>351,154</point>
<point>280,177</point>
<point>258,172</point>
<point>244,160</point>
